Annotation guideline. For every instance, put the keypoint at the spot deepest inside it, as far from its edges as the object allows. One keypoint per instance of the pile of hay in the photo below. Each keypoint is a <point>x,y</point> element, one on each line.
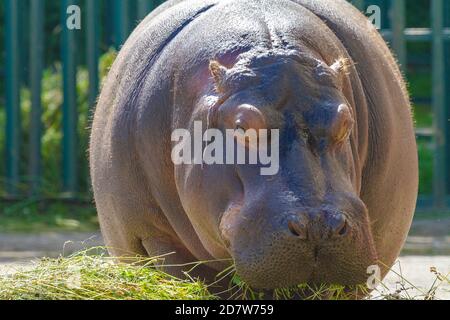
<point>91,275</point>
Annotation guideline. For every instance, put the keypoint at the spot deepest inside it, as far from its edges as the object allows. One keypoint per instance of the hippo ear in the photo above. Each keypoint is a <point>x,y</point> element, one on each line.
<point>218,72</point>
<point>341,66</point>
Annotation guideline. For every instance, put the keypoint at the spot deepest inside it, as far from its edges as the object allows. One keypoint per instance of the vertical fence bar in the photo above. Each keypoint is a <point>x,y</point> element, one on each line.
<point>36,67</point>
<point>121,22</point>
<point>70,116</point>
<point>359,4</point>
<point>447,89</point>
<point>24,38</point>
<point>440,114</point>
<point>398,27</point>
<point>144,8</point>
<point>12,88</point>
<point>107,11</point>
<point>384,13</point>
<point>93,49</point>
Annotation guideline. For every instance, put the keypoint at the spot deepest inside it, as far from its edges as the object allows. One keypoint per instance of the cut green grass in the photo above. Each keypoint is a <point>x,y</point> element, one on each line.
<point>92,275</point>
<point>84,276</point>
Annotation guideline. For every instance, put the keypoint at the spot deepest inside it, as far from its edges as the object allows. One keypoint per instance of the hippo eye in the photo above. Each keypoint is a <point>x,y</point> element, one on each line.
<point>305,133</point>
<point>309,139</point>
<point>342,125</point>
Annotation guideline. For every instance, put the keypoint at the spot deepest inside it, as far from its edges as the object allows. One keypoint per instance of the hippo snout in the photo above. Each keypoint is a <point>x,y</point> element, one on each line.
<point>273,249</point>
<point>325,226</point>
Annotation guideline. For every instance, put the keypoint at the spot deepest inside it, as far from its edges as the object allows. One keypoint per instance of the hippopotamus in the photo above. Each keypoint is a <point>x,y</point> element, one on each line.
<point>316,70</point>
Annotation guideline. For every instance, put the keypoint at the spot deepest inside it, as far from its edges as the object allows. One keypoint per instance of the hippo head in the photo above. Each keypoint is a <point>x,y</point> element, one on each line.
<point>306,222</point>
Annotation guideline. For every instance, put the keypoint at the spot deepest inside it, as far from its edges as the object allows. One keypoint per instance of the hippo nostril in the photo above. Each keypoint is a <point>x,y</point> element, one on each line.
<point>298,230</point>
<point>343,230</point>
<point>339,225</point>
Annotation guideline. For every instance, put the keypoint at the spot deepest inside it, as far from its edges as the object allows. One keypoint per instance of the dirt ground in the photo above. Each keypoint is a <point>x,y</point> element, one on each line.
<point>418,278</point>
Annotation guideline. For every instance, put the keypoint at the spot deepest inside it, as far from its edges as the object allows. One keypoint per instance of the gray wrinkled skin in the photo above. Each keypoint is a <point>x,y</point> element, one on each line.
<point>336,206</point>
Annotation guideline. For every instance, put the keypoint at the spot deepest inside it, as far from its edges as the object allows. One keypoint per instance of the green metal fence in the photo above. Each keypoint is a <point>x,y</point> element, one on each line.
<point>121,17</point>
<point>123,22</point>
<point>439,36</point>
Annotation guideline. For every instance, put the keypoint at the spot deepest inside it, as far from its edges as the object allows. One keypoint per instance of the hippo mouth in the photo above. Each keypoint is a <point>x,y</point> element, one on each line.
<point>295,266</point>
<point>326,270</point>
<point>276,254</point>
